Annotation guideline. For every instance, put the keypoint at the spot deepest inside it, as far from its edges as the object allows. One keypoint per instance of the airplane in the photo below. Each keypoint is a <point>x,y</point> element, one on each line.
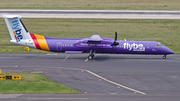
<point>95,44</point>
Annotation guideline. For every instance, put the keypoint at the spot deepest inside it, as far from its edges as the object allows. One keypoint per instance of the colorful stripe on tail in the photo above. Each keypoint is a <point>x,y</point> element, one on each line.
<point>40,42</point>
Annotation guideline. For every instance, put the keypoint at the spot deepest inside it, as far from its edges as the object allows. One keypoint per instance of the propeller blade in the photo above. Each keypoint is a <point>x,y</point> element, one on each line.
<point>115,36</point>
<point>115,43</point>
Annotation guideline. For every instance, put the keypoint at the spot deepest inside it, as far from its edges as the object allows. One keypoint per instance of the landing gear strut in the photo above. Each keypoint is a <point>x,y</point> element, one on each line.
<point>91,55</point>
<point>164,57</point>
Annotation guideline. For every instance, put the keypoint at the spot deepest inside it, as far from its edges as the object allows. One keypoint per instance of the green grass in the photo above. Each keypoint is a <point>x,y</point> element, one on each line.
<point>164,31</point>
<point>91,4</point>
<point>20,49</point>
<point>33,84</point>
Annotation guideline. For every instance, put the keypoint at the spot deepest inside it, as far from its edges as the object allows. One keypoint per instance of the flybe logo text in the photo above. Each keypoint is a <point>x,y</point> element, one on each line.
<point>17,31</point>
<point>134,47</point>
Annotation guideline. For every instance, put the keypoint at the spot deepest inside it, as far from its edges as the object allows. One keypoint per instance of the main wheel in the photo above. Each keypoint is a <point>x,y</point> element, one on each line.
<point>164,57</point>
<point>90,57</point>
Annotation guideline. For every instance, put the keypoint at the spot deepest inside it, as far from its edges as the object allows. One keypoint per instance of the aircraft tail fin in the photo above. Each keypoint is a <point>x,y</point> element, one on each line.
<point>21,36</point>
<point>16,28</point>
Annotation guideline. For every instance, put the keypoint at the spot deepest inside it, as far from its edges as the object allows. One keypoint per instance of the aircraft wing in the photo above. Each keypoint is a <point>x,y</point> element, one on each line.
<point>94,41</point>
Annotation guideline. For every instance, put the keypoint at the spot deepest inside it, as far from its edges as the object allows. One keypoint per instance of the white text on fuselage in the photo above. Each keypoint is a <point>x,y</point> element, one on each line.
<point>86,44</point>
<point>134,47</point>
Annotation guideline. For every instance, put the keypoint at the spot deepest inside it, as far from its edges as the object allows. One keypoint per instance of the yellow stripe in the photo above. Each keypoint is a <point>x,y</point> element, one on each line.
<point>86,60</point>
<point>42,42</point>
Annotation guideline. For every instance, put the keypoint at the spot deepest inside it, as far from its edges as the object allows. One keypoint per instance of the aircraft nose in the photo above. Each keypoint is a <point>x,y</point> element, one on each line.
<point>169,51</point>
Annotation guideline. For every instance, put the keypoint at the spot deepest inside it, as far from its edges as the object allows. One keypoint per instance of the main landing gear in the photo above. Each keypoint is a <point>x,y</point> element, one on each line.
<point>91,55</point>
<point>164,57</point>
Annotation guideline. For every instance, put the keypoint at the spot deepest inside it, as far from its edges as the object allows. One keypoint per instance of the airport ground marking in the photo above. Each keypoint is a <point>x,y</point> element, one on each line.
<point>109,80</point>
<point>86,60</point>
<point>65,57</point>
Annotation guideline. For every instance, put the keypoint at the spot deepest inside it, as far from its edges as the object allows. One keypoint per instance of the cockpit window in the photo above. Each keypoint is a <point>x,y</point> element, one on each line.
<point>159,45</point>
<point>162,45</point>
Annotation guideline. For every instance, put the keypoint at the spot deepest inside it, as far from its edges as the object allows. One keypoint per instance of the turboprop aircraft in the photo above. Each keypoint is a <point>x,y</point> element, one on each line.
<point>95,44</point>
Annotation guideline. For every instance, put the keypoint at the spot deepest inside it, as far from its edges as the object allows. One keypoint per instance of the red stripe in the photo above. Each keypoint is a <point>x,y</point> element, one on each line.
<point>35,41</point>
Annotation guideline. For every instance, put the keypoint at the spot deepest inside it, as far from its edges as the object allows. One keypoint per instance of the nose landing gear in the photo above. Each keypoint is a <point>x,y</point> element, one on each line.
<point>164,57</point>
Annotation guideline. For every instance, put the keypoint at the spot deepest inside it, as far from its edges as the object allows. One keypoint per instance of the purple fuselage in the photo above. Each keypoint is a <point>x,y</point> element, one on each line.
<point>106,46</point>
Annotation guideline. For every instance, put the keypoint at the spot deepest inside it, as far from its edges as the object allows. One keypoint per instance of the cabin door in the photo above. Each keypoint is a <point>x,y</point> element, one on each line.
<point>59,46</point>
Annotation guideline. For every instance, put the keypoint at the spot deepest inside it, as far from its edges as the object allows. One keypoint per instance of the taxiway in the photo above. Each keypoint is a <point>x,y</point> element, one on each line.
<point>111,75</point>
<point>93,14</point>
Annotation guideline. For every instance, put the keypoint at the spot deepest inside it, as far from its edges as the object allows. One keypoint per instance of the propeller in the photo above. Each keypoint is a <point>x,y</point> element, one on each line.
<point>115,43</point>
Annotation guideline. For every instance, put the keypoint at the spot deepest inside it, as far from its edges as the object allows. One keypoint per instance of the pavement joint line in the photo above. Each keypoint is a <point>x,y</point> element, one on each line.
<point>109,81</point>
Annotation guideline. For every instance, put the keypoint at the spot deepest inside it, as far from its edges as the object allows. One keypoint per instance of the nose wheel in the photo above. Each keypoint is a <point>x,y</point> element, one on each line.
<point>164,57</point>
<point>90,57</point>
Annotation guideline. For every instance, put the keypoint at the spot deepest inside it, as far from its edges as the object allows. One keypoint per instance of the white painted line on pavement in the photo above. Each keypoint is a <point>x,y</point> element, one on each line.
<point>115,83</point>
<point>66,58</point>
<point>108,80</point>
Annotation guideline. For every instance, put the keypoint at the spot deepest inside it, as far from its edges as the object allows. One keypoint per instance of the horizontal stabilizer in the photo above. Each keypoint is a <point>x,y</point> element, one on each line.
<point>12,16</point>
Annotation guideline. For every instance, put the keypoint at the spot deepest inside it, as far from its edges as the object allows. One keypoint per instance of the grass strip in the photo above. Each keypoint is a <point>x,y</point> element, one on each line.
<point>33,84</point>
<point>91,4</point>
<point>20,49</point>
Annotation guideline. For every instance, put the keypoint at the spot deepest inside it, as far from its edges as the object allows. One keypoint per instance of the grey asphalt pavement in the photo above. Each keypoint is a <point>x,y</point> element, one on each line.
<point>122,76</point>
<point>86,97</point>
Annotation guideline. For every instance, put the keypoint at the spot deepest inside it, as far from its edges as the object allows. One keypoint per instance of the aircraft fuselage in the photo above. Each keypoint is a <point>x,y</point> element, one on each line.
<point>124,47</point>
